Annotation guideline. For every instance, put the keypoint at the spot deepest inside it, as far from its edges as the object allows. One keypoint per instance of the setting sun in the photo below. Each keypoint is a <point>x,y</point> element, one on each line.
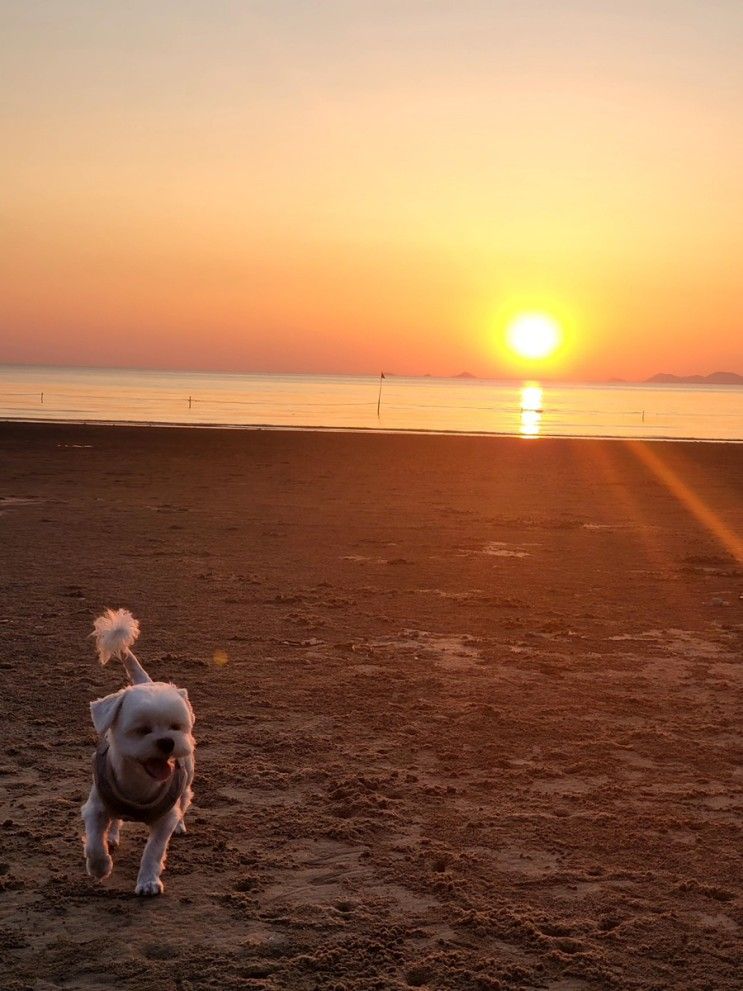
<point>533,335</point>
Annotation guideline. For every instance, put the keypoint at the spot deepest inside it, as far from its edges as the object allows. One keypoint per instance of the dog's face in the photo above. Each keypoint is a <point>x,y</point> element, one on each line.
<point>150,724</point>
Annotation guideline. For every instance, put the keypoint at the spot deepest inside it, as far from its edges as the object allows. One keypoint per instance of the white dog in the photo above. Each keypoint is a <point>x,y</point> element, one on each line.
<point>144,764</point>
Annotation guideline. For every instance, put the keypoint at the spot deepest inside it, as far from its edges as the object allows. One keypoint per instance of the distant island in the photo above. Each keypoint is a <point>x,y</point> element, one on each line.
<point>661,378</point>
<point>716,378</point>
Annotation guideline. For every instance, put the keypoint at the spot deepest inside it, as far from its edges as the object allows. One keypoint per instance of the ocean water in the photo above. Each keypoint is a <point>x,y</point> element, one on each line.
<point>527,409</point>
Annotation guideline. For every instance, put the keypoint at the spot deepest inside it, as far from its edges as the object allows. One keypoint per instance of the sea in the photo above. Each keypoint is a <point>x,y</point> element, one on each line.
<point>528,409</point>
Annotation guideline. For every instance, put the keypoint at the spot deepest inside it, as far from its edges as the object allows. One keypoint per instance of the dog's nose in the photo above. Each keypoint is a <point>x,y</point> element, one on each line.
<point>166,744</point>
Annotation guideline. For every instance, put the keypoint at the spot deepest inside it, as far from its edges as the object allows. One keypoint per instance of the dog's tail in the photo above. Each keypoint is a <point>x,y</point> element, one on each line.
<point>115,631</point>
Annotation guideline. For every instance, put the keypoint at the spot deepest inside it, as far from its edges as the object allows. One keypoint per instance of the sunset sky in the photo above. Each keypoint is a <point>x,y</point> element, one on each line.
<point>349,186</point>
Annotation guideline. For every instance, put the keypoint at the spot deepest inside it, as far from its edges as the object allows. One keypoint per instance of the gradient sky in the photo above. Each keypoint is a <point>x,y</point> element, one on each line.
<point>348,186</point>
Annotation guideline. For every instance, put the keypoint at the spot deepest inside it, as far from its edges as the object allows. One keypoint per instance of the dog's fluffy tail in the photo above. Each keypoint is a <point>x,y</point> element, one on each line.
<point>115,631</point>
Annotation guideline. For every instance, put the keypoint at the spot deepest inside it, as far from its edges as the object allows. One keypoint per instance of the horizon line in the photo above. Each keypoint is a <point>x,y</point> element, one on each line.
<point>463,375</point>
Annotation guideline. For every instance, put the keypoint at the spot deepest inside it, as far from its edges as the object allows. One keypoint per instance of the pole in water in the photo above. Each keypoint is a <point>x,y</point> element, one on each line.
<point>189,402</point>
<point>643,416</point>
<point>379,397</point>
<point>42,398</point>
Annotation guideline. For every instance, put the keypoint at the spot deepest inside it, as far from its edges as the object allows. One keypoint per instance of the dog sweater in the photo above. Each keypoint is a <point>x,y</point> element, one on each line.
<point>121,807</point>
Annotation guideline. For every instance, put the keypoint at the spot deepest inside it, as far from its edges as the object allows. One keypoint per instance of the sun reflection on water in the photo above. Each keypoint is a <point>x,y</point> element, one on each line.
<point>531,411</point>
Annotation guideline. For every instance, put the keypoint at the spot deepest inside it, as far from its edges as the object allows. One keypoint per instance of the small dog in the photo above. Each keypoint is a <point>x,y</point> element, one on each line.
<point>144,764</point>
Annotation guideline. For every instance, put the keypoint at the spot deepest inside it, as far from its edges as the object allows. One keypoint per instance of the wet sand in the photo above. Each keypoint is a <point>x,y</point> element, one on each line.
<point>473,719</point>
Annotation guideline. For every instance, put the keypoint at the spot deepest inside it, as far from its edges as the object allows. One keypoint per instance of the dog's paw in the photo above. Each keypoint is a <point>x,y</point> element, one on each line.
<point>180,829</point>
<point>149,888</point>
<point>99,865</point>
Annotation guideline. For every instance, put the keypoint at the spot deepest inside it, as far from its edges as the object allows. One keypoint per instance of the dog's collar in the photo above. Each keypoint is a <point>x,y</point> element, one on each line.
<point>124,808</point>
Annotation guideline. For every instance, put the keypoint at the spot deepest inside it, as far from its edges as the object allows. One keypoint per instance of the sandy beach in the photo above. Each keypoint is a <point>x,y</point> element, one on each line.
<point>468,709</point>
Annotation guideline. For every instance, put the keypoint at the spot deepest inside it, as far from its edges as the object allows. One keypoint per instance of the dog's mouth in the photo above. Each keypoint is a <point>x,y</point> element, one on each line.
<point>158,768</point>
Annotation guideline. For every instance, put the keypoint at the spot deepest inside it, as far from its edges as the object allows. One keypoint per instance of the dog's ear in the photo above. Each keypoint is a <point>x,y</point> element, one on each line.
<point>184,695</point>
<point>104,711</point>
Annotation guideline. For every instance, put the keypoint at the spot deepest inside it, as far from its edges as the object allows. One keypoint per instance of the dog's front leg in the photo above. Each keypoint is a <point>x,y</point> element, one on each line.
<point>98,862</point>
<point>153,858</point>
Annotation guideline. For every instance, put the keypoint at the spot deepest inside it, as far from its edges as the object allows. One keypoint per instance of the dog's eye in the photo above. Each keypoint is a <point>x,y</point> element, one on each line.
<point>176,727</point>
<point>142,730</point>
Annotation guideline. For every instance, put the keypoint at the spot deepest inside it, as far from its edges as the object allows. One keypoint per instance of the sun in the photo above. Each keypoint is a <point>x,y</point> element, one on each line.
<point>533,335</point>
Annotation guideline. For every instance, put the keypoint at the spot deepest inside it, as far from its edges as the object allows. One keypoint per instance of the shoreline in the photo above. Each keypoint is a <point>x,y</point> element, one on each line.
<point>306,428</point>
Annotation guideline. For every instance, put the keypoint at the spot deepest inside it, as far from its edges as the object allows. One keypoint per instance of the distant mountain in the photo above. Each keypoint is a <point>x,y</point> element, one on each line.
<point>465,375</point>
<point>716,378</point>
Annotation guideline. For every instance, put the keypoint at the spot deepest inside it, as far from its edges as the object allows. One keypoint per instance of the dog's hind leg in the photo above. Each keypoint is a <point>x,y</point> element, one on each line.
<point>153,858</point>
<point>114,833</point>
<point>98,861</point>
<point>183,805</point>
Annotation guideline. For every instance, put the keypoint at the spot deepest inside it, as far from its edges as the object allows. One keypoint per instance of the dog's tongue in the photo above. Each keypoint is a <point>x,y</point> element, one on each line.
<point>158,769</point>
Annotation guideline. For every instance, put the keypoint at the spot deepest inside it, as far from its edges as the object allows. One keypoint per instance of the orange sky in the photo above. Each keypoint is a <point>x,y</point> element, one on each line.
<point>346,186</point>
